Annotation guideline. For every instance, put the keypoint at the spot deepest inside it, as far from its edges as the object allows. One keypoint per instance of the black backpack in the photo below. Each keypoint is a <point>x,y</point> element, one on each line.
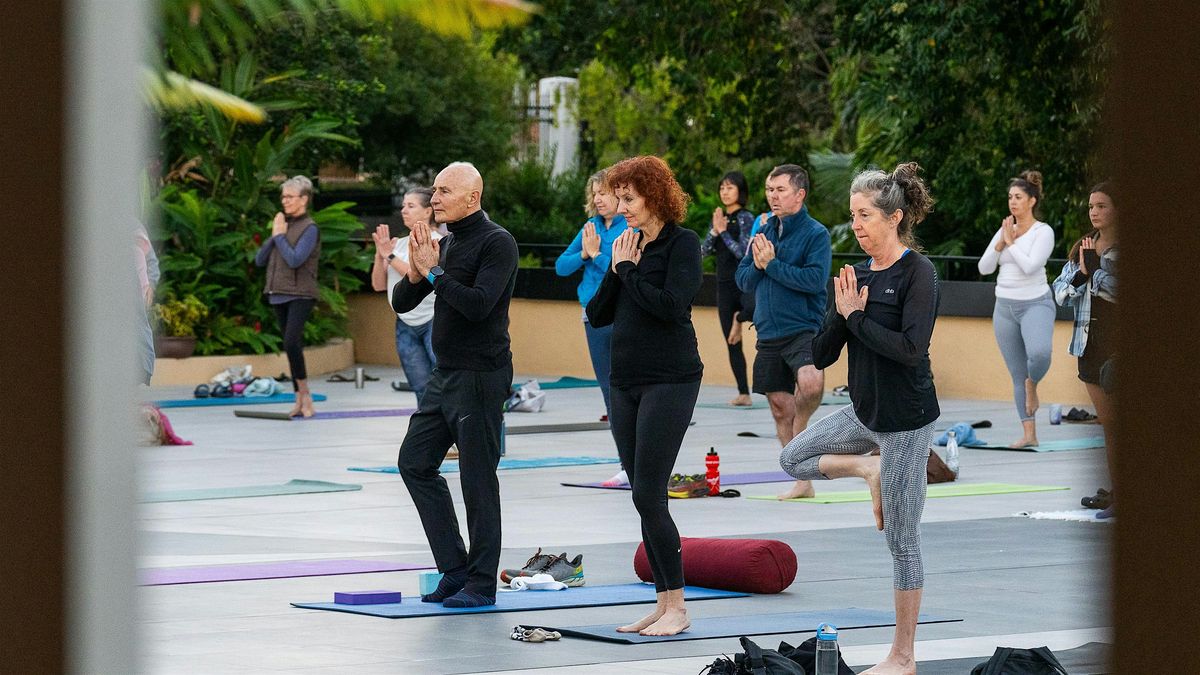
<point>806,656</point>
<point>755,661</point>
<point>1010,661</point>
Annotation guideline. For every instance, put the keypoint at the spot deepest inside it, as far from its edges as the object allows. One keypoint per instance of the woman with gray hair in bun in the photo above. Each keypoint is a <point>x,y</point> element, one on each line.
<point>883,314</point>
<point>291,256</point>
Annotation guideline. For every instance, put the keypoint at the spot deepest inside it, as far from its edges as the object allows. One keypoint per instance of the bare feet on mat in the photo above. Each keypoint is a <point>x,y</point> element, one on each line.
<point>873,484</point>
<point>306,406</point>
<point>742,400</point>
<point>735,333</point>
<point>1025,442</point>
<point>672,622</point>
<point>637,626</point>
<point>894,666</point>
<point>297,409</point>
<point>1031,397</point>
<point>799,490</point>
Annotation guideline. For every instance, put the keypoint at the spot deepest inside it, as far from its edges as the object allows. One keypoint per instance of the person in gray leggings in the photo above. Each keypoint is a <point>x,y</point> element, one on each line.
<point>1023,318</point>
<point>883,314</point>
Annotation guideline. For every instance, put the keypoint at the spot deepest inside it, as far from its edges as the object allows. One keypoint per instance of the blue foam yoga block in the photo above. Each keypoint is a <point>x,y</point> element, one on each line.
<point>429,582</point>
<point>366,597</point>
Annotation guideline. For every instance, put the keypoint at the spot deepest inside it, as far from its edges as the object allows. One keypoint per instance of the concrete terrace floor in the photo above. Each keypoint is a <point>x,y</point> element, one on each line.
<point>1014,581</point>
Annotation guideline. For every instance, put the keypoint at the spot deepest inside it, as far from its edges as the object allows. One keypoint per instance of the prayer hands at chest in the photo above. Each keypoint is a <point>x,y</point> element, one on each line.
<point>423,252</point>
<point>846,295</point>
<point>626,248</point>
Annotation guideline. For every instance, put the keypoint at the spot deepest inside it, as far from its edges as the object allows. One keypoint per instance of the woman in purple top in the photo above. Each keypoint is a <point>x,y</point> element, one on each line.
<point>291,256</point>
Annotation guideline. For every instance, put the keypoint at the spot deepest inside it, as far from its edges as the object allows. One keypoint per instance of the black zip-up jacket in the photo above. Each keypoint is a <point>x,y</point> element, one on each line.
<point>649,306</point>
<point>470,315</point>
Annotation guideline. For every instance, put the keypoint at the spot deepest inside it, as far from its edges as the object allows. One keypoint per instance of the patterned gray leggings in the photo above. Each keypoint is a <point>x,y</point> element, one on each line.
<point>903,456</point>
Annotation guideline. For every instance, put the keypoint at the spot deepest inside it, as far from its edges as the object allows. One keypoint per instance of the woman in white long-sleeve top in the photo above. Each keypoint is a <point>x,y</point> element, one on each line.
<point>1023,318</point>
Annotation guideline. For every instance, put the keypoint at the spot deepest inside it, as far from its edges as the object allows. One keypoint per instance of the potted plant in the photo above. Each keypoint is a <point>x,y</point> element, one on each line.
<point>177,320</point>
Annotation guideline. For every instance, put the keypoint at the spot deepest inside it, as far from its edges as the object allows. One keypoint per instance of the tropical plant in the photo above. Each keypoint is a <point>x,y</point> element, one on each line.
<point>177,317</point>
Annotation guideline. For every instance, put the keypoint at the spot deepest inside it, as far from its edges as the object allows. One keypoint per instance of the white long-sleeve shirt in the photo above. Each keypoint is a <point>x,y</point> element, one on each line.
<point>1022,265</point>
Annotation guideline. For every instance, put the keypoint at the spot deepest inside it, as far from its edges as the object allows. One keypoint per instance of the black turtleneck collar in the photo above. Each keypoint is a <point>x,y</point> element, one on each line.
<point>465,224</point>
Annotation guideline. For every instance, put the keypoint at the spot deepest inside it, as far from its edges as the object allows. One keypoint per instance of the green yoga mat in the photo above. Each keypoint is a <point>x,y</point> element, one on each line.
<point>934,491</point>
<point>761,404</point>
<point>564,382</point>
<point>1051,446</point>
<point>292,487</point>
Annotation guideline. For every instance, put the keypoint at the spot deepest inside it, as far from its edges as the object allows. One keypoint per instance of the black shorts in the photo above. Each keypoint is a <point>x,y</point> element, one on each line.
<point>1099,349</point>
<point>778,360</point>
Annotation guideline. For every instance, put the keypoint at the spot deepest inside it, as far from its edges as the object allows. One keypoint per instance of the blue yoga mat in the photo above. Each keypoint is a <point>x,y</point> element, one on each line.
<point>752,624</point>
<point>520,601</point>
<point>451,465</point>
<point>232,400</point>
<point>1052,446</point>
<point>292,487</point>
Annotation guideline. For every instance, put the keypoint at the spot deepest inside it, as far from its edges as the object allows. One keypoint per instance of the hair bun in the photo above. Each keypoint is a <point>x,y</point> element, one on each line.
<point>916,193</point>
<point>1034,178</point>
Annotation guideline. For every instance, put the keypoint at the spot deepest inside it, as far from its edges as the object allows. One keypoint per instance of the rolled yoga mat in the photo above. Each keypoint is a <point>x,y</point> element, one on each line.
<point>726,479</point>
<point>933,492</point>
<point>749,624</point>
<point>1052,446</point>
<point>451,465</point>
<point>330,415</point>
<point>292,487</point>
<point>205,574</point>
<point>519,601</point>
<point>232,400</point>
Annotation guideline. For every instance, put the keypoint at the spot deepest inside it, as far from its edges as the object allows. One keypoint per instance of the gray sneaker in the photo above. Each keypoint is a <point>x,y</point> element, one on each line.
<point>532,566</point>
<point>570,572</point>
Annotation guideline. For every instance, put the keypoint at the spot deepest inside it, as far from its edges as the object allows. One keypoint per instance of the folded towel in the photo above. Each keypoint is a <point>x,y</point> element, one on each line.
<point>537,582</point>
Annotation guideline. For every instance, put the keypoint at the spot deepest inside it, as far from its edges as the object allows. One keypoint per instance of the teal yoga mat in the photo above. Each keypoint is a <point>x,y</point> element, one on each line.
<point>1051,446</point>
<point>565,382</point>
<point>582,596</point>
<point>451,465</point>
<point>292,487</point>
<point>232,400</point>
<point>754,624</point>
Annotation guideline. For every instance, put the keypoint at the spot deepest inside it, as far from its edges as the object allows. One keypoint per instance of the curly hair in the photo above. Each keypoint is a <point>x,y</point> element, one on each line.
<point>651,178</point>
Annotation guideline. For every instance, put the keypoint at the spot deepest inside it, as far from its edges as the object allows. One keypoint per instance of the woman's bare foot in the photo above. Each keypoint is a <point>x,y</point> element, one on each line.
<point>742,400</point>
<point>894,665</point>
<point>873,484</point>
<point>306,405</point>
<point>672,622</point>
<point>297,409</point>
<point>640,624</point>
<point>735,333</point>
<point>799,490</point>
<point>1025,442</point>
<point>1031,397</point>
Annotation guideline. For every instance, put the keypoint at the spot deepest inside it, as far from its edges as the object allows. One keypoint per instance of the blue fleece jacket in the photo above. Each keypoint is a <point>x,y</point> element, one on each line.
<point>790,293</point>
<point>593,268</point>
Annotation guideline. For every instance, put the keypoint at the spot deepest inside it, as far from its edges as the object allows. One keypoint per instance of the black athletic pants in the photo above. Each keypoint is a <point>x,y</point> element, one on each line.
<point>463,407</point>
<point>648,424</point>
<point>292,315</point>
<point>729,305</point>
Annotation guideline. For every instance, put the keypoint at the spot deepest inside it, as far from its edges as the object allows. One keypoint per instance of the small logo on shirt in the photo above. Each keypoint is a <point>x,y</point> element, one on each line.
<point>890,290</point>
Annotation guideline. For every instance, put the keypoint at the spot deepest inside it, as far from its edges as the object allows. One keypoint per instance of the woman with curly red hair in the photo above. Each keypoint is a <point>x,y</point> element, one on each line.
<point>647,298</point>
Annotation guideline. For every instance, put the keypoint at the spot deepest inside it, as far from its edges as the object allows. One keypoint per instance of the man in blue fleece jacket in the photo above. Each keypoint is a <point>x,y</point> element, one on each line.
<point>787,269</point>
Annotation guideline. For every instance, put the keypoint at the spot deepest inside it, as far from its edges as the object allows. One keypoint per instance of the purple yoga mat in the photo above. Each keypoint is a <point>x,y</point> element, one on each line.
<point>726,479</point>
<point>203,574</point>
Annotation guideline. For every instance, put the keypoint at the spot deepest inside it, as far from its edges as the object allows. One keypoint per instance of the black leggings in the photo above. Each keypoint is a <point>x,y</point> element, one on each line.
<point>292,315</point>
<point>729,306</point>
<point>648,424</point>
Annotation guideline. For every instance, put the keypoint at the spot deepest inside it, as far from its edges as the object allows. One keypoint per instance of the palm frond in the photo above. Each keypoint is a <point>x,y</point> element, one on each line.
<point>169,90</point>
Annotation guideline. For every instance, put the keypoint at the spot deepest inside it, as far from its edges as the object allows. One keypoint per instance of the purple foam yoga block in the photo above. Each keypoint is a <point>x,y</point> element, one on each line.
<point>366,597</point>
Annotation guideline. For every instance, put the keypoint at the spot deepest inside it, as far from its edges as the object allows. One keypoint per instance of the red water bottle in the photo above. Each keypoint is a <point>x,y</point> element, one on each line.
<point>712,466</point>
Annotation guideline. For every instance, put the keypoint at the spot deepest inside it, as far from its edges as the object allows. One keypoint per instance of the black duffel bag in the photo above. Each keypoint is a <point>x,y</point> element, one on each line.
<point>754,661</point>
<point>1011,661</point>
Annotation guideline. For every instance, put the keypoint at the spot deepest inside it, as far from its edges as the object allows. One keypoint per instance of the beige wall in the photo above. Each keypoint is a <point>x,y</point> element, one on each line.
<point>548,339</point>
<point>329,357</point>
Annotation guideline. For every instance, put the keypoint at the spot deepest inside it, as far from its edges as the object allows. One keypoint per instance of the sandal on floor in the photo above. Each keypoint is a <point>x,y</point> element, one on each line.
<point>1101,500</point>
<point>338,377</point>
<point>1078,415</point>
<point>202,391</point>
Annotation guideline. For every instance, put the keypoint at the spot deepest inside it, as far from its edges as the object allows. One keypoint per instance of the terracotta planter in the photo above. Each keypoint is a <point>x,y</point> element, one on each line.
<point>174,347</point>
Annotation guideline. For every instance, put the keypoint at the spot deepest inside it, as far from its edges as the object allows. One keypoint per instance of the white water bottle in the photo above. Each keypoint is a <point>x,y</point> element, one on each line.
<point>827,650</point>
<point>952,452</point>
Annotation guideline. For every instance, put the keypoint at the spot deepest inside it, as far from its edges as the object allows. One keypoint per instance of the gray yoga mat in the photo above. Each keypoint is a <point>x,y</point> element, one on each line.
<point>325,415</point>
<point>554,428</point>
<point>292,487</point>
<point>1086,659</point>
<point>205,574</point>
<point>751,624</point>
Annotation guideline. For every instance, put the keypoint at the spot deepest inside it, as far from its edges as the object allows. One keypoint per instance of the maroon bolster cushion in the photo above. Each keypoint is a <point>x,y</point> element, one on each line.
<point>742,565</point>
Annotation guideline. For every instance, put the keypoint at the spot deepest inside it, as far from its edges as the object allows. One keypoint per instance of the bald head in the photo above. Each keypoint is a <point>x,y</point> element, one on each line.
<point>457,192</point>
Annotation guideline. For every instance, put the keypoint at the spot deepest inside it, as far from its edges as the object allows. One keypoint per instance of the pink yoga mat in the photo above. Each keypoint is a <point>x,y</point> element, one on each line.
<point>203,574</point>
